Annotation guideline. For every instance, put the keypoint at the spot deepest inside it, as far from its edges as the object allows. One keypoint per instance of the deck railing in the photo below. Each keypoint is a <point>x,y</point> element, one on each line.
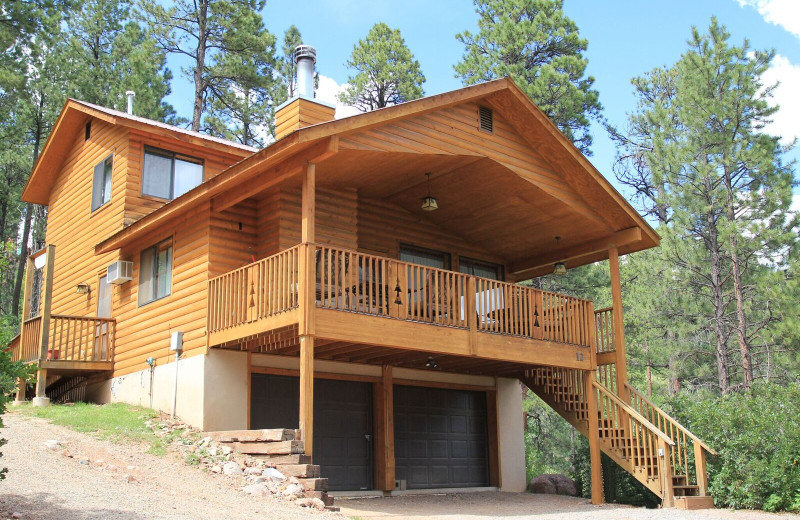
<point>70,338</point>
<point>351,281</point>
<point>79,338</point>
<point>255,291</point>
<point>604,326</point>
<point>682,438</point>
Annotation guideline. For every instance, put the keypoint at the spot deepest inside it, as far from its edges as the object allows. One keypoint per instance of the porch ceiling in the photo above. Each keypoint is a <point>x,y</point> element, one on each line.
<point>484,202</point>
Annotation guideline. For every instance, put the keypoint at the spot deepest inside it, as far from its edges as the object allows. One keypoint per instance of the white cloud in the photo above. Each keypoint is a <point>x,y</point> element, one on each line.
<point>785,121</point>
<point>784,13</point>
<point>328,91</point>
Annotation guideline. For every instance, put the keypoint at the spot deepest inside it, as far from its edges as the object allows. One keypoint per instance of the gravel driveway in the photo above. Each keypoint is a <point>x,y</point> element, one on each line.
<point>119,482</point>
<point>522,506</point>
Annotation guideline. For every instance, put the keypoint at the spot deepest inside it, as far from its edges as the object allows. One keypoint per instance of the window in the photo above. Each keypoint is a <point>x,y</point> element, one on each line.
<point>480,268</point>
<point>168,175</point>
<point>155,272</point>
<point>423,256</point>
<point>101,187</point>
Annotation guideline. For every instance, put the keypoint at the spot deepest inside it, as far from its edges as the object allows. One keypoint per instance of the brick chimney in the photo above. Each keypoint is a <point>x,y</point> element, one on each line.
<point>302,110</point>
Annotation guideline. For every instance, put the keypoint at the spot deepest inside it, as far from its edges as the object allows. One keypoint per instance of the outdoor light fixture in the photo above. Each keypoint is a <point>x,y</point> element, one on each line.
<point>431,363</point>
<point>397,300</point>
<point>83,288</point>
<point>560,268</point>
<point>429,203</point>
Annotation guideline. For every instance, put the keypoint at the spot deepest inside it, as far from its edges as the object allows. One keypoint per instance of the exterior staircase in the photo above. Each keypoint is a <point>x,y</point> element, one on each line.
<point>637,435</point>
<point>280,449</point>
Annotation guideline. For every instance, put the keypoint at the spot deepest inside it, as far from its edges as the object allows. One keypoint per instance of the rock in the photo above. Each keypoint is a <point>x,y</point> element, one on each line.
<point>52,445</point>
<point>129,478</point>
<point>204,441</point>
<point>216,469</point>
<point>226,450</point>
<point>552,484</point>
<point>293,489</point>
<point>85,462</point>
<point>16,515</point>
<point>257,490</point>
<point>232,468</point>
<point>273,474</point>
<point>304,502</point>
<point>213,452</point>
<point>252,471</point>
<point>317,504</point>
<point>293,480</point>
<point>258,480</point>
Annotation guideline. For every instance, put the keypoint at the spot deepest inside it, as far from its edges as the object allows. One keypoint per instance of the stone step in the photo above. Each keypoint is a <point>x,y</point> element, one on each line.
<point>314,484</point>
<point>332,509</point>
<point>273,435</point>
<point>299,470</point>
<point>269,448</point>
<point>322,495</point>
<point>279,460</point>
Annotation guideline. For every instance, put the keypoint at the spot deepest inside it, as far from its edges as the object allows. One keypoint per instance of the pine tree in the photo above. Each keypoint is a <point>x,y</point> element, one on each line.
<point>110,54</point>
<point>386,71</point>
<point>537,45</point>
<point>225,42</point>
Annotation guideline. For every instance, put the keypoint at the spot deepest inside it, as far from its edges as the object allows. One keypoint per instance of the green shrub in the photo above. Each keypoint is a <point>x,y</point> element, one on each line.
<point>10,373</point>
<point>757,435</point>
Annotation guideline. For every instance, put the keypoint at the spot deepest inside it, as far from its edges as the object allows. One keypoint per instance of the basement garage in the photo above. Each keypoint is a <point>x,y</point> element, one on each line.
<point>441,437</point>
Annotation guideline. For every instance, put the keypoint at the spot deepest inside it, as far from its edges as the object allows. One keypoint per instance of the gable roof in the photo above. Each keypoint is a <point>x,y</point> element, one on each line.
<point>74,116</point>
<point>284,158</point>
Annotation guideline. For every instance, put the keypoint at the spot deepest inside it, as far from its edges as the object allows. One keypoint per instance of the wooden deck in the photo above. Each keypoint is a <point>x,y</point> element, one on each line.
<point>374,308</point>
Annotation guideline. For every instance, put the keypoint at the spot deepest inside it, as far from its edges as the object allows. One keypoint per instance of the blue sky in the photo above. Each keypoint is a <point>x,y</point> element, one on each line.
<point>626,38</point>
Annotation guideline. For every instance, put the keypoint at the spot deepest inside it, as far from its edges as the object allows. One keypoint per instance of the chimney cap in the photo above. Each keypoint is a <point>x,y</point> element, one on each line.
<point>305,51</point>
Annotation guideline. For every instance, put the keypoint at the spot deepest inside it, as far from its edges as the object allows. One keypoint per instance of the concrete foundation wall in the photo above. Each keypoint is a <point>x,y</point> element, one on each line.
<point>225,399</point>
<point>511,435</point>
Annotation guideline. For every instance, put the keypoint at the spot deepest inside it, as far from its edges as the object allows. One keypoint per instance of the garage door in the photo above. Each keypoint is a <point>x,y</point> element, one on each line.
<point>441,437</point>
<point>342,424</point>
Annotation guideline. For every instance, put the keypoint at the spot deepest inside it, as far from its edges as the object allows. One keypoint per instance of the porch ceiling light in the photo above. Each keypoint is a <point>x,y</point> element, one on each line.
<point>431,363</point>
<point>559,268</point>
<point>429,203</point>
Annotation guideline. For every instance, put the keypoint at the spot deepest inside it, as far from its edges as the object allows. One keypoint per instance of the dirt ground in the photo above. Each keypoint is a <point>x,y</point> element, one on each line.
<point>89,479</point>
<point>521,506</point>
<point>102,481</point>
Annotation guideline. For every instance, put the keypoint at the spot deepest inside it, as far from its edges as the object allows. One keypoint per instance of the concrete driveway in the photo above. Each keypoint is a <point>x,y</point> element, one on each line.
<point>519,506</point>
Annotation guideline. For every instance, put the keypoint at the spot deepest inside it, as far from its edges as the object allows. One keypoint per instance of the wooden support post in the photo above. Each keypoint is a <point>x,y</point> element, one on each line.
<point>664,460</point>
<point>30,272</point>
<point>41,383</point>
<point>471,313</point>
<point>700,468</point>
<point>619,324</point>
<point>308,278</point>
<point>592,331</point>
<point>47,297</point>
<point>384,431</point>
<point>598,496</point>
<point>307,392</point>
<point>22,387</point>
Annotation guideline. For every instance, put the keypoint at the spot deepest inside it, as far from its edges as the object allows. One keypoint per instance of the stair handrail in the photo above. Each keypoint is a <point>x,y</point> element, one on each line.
<point>633,413</point>
<point>671,420</point>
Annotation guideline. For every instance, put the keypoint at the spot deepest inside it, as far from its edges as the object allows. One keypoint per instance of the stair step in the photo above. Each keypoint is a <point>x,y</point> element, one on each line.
<point>272,435</point>
<point>269,448</point>
<point>279,460</point>
<point>322,495</point>
<point>314,484</point>
<point>693,503</point>
<point>300,470</point>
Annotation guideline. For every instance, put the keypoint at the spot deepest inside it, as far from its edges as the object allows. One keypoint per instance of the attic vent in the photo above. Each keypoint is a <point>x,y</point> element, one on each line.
<point>87,132</point>
<point>486,119</point>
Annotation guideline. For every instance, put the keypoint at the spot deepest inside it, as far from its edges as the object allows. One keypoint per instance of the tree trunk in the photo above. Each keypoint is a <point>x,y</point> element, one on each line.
<point>23,256</point>
<point>719,305</point>
<point>200,64</point>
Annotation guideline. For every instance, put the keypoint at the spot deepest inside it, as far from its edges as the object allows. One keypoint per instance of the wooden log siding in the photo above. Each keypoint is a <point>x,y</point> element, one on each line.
<point>254,292</point>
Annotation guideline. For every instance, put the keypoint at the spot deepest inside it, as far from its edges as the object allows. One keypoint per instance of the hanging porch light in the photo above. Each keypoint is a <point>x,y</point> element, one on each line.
<point>429,203</point>
<point>559,268</point>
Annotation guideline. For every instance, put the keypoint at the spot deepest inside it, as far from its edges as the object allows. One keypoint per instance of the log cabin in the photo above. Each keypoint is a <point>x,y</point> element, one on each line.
<point>359,282</point>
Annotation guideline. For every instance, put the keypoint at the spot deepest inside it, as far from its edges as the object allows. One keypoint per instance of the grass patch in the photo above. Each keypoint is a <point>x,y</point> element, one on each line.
<point>116,422</point>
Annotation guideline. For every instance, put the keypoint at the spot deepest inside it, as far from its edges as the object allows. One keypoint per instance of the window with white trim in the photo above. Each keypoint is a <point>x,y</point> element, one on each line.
<point>101,185</point>
<point>155,272</point>
<point>168,175</point>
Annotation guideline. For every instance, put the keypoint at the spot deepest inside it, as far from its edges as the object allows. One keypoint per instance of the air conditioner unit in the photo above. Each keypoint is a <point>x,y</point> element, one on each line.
<point>119,272</point>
